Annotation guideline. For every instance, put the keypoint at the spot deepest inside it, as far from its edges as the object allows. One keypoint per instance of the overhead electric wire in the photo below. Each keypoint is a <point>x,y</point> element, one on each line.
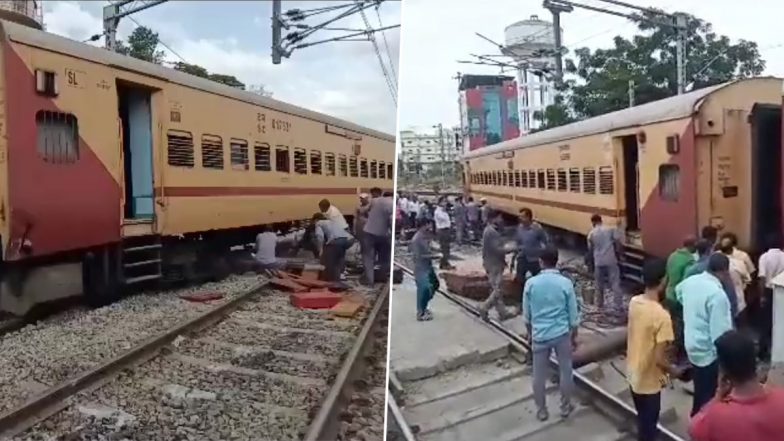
<point>371,37</point>
<point>161,42</point>
<point>386,44</point>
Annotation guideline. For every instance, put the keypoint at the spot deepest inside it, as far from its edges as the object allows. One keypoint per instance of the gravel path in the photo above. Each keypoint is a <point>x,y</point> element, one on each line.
<point>260,374</point>
<point>57,348</point>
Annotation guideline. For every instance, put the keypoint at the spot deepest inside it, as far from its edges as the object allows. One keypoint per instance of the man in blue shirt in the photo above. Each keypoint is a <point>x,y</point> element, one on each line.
<point>423,268</point>
<point>552,316</point>
<point>531,240</point>
<point>706,316</point>
<point>704,251</point>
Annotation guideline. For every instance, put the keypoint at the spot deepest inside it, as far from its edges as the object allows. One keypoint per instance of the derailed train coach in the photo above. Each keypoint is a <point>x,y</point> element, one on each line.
<point>659,171</point>
<point>114,171</point>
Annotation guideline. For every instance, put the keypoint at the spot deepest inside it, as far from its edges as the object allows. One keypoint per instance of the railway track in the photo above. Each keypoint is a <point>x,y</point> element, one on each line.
<point>253,367</point>
<point>493,400</point>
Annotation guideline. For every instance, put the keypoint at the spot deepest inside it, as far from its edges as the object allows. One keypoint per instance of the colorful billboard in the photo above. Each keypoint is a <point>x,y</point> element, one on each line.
<point>488,110</point>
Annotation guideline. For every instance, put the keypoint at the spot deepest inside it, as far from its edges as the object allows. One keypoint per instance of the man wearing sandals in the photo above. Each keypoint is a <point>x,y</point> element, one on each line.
<point>552,316</point>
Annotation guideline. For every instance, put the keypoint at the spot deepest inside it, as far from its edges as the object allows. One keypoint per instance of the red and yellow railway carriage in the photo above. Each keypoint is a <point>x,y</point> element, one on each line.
<point>112,168</point>
<point>660,171</point>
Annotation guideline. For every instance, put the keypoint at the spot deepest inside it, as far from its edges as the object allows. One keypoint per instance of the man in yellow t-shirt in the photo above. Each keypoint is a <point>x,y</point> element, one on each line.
<point>648,345</point>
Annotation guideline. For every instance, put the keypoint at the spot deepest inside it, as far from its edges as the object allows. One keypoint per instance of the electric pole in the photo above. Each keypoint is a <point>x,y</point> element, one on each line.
<point>680,51</point>
<point>277,24</point>
<point>556,8</point>
<point>443,158</point>
<point>117,10</point>
<point>631,93</point>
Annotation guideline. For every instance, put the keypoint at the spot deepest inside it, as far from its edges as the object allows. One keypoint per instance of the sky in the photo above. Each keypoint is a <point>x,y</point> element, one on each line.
<point>342,79</point>
<point>437,33</point>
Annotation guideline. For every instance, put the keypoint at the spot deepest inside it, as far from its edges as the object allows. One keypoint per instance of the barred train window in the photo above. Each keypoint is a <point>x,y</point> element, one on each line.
<point>315,162</point>
<point>58,137</point>
<point>300,162</point>
<point>390,171</point>
<point>574,180</point>
<point>282,159</point>
<point>179,152</point>
<point>517,182</point>
<point>669,182</point>
<point>373,170</point>
<point>382,170</point>
<point>330,160</point>
<point>353,167</point>
<point>589,180</point>
<point>504,178</point>
<point>239,154</point>
<point>606,184</point>
<point>363,168</point>
<point>531,178</point>
<point>211,151</point>
<point>262,157</point>
<point>550,179</point>
<point>343,165</point>
<point>540,181</point>
<point>523,179</point>
<point>561,179</point>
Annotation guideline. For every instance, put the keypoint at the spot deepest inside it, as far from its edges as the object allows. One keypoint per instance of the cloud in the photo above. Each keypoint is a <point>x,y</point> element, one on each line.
<point>342,79</point>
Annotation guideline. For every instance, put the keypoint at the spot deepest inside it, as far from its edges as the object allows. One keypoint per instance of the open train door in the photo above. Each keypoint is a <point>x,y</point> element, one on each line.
<point>766,172</point>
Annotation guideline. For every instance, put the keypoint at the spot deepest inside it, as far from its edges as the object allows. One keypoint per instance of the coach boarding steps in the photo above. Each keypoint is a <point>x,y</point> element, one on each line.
<point>142,259</point>
<point>631,266</point>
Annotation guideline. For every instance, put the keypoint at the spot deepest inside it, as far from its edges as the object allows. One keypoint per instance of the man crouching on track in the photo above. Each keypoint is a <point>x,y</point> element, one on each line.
<point>649,341</point>
<point>494,253</point>
<point>424,274</point>
<point>337,241</point>
<point>552,317</point>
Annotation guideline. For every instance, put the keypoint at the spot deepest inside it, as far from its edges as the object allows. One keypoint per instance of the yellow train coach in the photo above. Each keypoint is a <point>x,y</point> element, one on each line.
<point>111,168</point>
<point>659,171</point>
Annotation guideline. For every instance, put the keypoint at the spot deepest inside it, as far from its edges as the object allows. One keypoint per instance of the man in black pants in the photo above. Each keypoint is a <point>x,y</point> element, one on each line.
<point>650,335</point>
<point>531,240</point>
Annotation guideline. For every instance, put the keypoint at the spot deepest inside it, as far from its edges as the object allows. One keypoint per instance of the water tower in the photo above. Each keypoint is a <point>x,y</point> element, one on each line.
<point>531,43</point>
<point>25,12</point>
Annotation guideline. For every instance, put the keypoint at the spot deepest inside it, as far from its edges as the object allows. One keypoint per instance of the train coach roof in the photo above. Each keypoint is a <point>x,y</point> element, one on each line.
<point>45,40</point>
<point>676,107</point>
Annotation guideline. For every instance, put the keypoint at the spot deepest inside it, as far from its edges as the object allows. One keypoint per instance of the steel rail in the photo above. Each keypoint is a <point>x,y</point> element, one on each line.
<point>400,419</point>
<point>580,379</point>
<point>52,400</point>
<point>326,423</point>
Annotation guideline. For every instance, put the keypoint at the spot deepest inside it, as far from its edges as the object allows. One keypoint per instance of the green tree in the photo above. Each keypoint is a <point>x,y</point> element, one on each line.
<point>192,69</point>
<point>229,80</point>
<point>142,44</point>
<point>556,114</point>
<point>649,60</point>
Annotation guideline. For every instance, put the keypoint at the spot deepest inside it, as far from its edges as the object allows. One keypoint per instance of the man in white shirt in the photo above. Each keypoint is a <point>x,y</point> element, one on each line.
<point>266,244</point>
<point>739,274</point>
<point>771,264</point>
<point>443,232</point>
<point>402,202</point>
<point>332,213</point>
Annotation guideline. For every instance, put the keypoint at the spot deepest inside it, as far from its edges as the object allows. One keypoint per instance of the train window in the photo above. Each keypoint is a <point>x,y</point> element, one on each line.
<point>373,170</point>
<point>669,182</point>
<point>239,154</point>
<point>330,159</point>
<point>504,178</point>
<point>550,179</point>
<point>561,179</point>
<point>574,180</point>
<point>517,182</point>
<point>540,181</point>
<point>282,159</point>
<point>606,183</point>
<point>262,157</point>
<point>363,168</point>
<point>353,168</point>
<point>179,151</point>
<point>390,171</point>
<point>343,165</point>
<point>589,180</point>
<point>212,151</point>
<point>523,179</point>
<point>531,179</point>
<point>58,137</point>
<point>300,162</point>
<point>315,162</point>
<point>382,170</point>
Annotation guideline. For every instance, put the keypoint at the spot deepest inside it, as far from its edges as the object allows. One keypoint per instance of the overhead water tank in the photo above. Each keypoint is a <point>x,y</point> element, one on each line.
<point>25,12</point>
<point>530,41</point>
